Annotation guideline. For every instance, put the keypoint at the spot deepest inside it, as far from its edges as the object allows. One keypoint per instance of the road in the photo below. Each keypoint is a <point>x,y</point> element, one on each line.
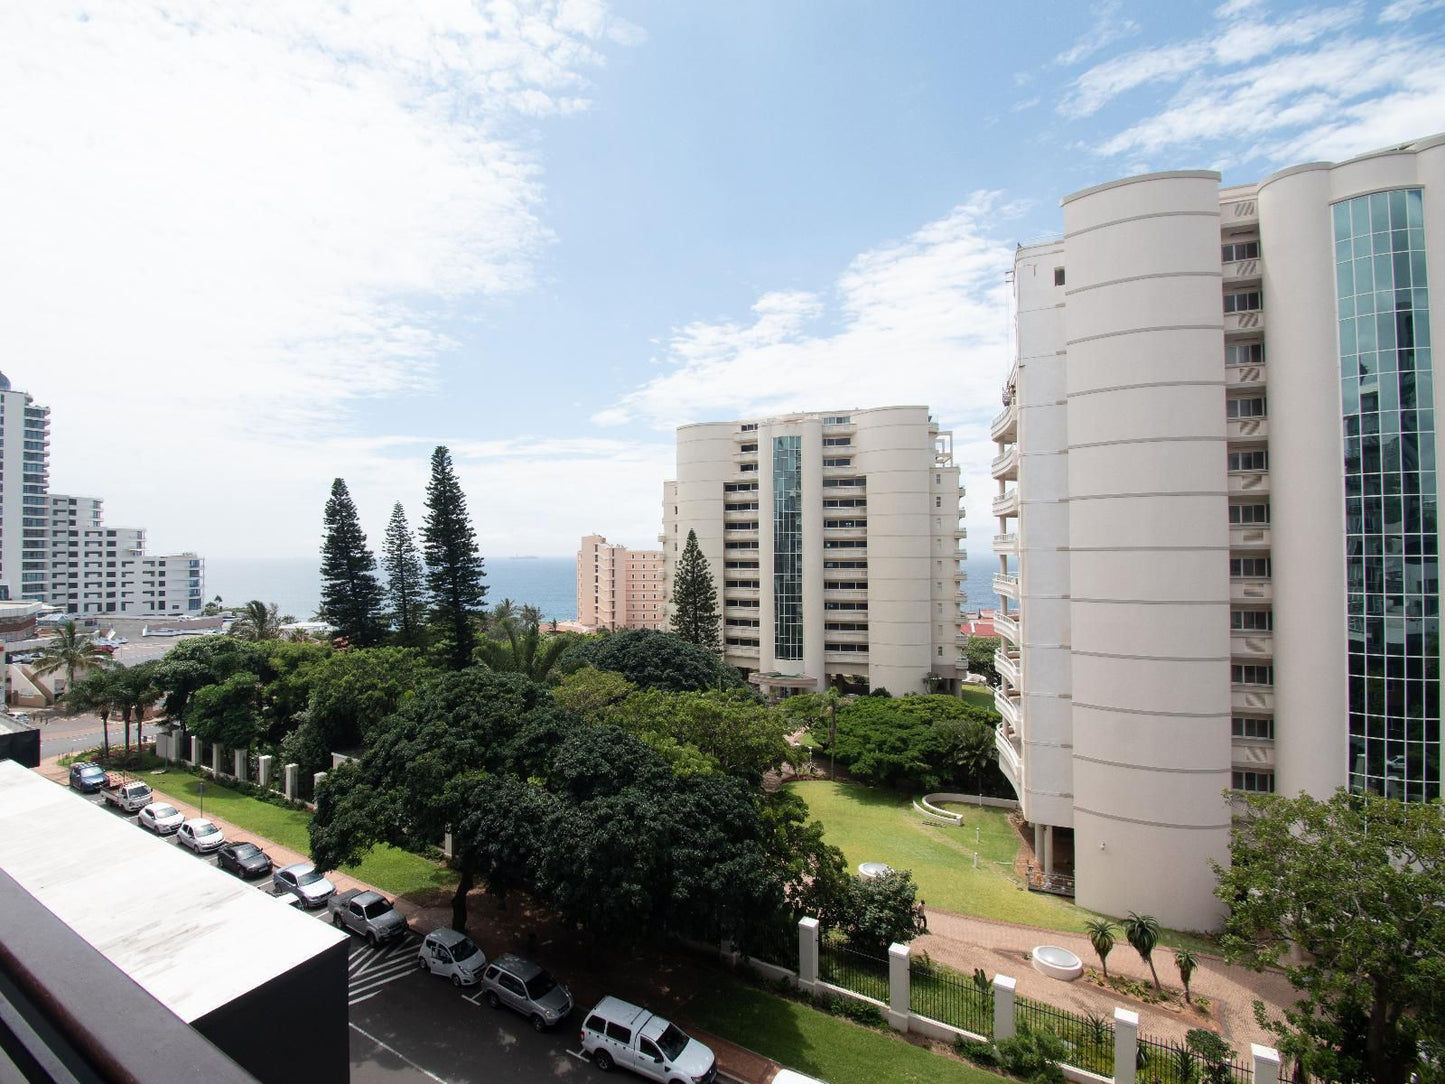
<point>61,733</point>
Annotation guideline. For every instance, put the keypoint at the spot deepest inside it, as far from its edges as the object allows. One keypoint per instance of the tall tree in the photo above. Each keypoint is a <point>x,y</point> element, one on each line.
<point>139,689</point>
<point>404,579</point>
<point>98,692</point>
<point>1143,933</point>
<point>454,569</point>
<point>694,599</point>
<point>70,650</point>
<point>350,596</point>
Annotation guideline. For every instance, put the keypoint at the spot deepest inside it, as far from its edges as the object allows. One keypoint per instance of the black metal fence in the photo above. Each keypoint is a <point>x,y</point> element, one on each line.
<point>1168,1062</point>
<point>950,998</point>
<point>1090,1038</point>
<point>853,970</point>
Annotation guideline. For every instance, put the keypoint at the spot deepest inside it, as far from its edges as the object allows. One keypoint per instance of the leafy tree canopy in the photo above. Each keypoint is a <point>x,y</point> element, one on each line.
<point>204,660</point>
<point>979,651</point>
<point>351,692</point>
<point>882,910</point>
<point>588,692</point>
<point>915,742</point>
<point>731,730</point>
<point>655,660</point>
<point>226,712</point>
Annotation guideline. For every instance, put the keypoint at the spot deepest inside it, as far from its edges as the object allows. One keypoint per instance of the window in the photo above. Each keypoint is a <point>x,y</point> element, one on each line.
<point>1058,276</point>
<point>1249,568</point>
<point>1254,782</point>
<point>837,462</point>
<point>1249,301</point>
<point>1239,250</point>
<point>845,606</point>
<point>750,427</point>
<point>845,564</point>
<point>937,502</point>
<point>618,1032</point>
<point>1252,728</point>
<point>1244,408</point>
<point>735,487</point>
<point>1251,620</point>
<point>745,506</point>
<point>753,447</point>
<point>742,622</point>
<point>1244,514</point>
<point>742,641</point>
<point>842,483</point>
<point>845,544</point>
<point>837,442</point>
<point>857,649</point>
<point>836,419</point>
<point>845,502</point>
<point>742,525</point>
<point>1254,459</point>
<point>740,564</point>
<point>845,626</point>
<point>788,547</point>
<point>747,467</point>
<point>743,584</point>
<point>843,523</point>
<point>1244,354</point>
<point>845,585</point>
<point>1251,674</point>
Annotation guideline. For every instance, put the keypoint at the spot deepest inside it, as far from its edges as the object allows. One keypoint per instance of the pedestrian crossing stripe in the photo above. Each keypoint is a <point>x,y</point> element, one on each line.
<point>370,968</point>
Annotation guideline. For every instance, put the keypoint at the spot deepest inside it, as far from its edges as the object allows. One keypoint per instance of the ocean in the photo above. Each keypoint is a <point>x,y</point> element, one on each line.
<point>549,583</point>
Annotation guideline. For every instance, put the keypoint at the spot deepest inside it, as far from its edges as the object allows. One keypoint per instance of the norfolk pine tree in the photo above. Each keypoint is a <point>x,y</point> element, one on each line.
<point>694,601</point>
<point>350,596</point>
<point>404,579</point>
<point>453,567</point>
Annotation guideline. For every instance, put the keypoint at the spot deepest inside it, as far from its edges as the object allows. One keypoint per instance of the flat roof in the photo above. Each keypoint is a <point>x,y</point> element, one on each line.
<point>193,937</point>
<point>11,725</point>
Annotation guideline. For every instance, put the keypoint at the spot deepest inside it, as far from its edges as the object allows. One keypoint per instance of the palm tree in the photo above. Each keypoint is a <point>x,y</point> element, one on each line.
<point>1185,961</point>
<point>530,615</point>
<point>258,621</point>
<point>1143,933</point>
<point>503,613</point>
<point>1101,936</point>
<point>71,650</point>
<point>98,692</point>
<point>524,651</point>
<point>139,690</point>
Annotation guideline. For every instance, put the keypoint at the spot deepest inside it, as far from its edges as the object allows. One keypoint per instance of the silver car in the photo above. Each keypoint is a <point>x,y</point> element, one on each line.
<point>201,836</point>
<point>454,955</point>
<point>303,881</point>
<point>524,986</point>
<point>160,818</point>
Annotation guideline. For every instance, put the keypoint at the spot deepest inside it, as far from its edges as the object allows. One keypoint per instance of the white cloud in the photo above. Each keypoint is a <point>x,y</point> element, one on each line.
<point>1404,10</point>
<point>923,320</point>
<point>225,226</point>
<point>1107,27</point>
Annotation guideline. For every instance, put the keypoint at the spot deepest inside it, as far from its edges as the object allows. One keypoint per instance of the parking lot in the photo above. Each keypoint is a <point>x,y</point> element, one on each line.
<point>408,1025</point>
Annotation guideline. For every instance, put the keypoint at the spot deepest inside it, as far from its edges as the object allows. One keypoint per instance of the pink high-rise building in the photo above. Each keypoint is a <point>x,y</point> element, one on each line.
<point>619,588</point>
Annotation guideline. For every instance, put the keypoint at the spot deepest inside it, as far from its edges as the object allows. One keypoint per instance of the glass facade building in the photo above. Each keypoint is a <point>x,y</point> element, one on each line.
<point>1392,559</point>
<point>788,547</point>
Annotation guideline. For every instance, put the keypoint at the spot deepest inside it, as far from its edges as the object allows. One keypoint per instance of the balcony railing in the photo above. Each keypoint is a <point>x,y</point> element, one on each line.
<point>1246,429</point>
<point>1249,644</point>
<point>1008,707</point>
<point>1006,466</point>
<point>1007,503</point>
<point>1007,666</point>
<point>1010,760</point>
<point>1244,376</point>
<point>1006,544</point>
<point>1007,627</point>
<point>1006,585</point>
<point>1006,425</point>
<point>1251,698</point>
<point>1251,322</point>
<point>1243,537</point>
<point>1256,482</point>
<point>1251,591</point>
<point>1238,272</point>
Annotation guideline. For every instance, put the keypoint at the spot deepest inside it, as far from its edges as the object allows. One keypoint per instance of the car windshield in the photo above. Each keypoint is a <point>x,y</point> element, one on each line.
<point>672,1041</point>
<point>163,811</point>
<point>376,908</point>
<point>464,949</point>
<point>91,773</point>
<point>310,877</point>
<point>247,850</point>
<point>206,828</point>
<point>540,985</point>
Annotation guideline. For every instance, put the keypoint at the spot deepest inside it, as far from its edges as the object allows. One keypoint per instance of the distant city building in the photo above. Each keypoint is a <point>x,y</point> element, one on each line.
<point>1217,499</point>
<point>835,543</point>
<point>55,548</point>
<point>619,588</point>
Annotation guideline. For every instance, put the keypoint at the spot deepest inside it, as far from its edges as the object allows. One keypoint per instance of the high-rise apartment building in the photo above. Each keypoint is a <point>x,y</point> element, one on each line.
<point>834,542</point>
<point>55,549</point>
<point>1217,502</point>
<point>619,588</point>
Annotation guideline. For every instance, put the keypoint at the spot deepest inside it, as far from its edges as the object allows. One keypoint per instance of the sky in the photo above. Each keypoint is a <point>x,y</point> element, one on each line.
<point>246,249</point>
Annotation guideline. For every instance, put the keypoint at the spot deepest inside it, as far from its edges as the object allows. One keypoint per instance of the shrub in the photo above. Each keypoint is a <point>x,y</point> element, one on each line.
<point>881,911</point>
<point>985,1054</point>
<point>1034,1055</point>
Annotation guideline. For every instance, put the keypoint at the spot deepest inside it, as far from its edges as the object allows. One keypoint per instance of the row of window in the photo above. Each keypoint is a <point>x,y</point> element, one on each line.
<point>1244,354</point>
<point>744,506</point>
<point>845,564</point>
<point>744,584</point>
<point>742,641</point>
<point>856,606</point>
<point>845,502</point>
<point>1254,782</point>
<point>1252,407</point>
<point>1244,726</point>
<point>1251,620</point>
<point>746,545</point>
<point>738,487</point>
<point>845,543</point>
<point>741,525</point>
<point>856,649</point>
<point>844,462</point>
<point>1247,514</point>
<point>744,603</point>
<point>1239,250</point>
<point>743,622</point>
<point>844,483</point>
<point>741,566</point>
<point>1251,674</point>
<point>1249,301</point>
<point>845,523</point>
<point>837,442</point>
<point>1253,460</point>
<point>845,626</point>
<point>845,585</point>
<point>1249,568</point>
<point>837,419</point>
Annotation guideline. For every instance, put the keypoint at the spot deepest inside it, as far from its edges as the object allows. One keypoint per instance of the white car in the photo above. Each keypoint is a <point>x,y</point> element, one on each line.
<point>160,818</point>
<point>452,955</point>
<point>303,881</point>
<point>201,836</point>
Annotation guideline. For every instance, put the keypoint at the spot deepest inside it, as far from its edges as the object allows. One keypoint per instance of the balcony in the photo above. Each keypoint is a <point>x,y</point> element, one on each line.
<point>1007,666</point>
<point>1242,272</point>
<point>1251,645</point>
<point>1251,698</point>
<point>1254,537</point>
<point>1255,483</point>
<point>750,652</point>
<point>1010,761</point>
<point>860,533</point>
<point>1005,427</point>
<point>741,515</point>
<point>1006,544</point>
<point>1252,754</point>
<point>1246,429</point>
<point>1240,323</point>
<point>1007,503</point>
<point>1244,376</point>
<point>730,593</point>
<point>1006,586</point>
<point>846,636</point>
<point>1008,707</point>
<point>1006,466</point>
<point>1251,591</point>
<point>834,594</point>
<point>1007,627</point>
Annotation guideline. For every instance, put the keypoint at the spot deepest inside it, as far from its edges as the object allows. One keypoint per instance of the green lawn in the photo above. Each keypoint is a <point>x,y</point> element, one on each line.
<point>396,871</point>
<point>824,1046</point>
<point>875,825</point>
<point>977,696</point>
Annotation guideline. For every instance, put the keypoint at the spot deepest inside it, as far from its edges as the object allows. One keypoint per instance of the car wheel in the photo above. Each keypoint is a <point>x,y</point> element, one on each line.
<point>538,1024</point>
<point>421,963</point>
<point>603,1061</point>
<point>493,1000</point>
<point>456,980</point>
<point>371,939</point>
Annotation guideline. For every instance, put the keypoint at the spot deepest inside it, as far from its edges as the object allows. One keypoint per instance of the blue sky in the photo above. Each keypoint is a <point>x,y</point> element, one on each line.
<point>249,250</point>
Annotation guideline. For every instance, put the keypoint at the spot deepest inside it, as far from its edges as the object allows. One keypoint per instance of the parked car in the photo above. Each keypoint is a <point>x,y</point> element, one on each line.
<point>303,882</point>
<point>201,836</point>
<point>130,795</point>
<point>526,987</point>
<point>160,818</point>
<point>368,913</point>
<point>617,1032</point>
<point>455,955</point>
<point>243,859</point>
<point>87,777</point>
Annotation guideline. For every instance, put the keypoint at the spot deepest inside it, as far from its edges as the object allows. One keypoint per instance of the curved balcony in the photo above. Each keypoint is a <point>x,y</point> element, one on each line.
<point>1007,503</point>
<point>1255,483</point>
<point>1251,698</point>
<point>1010,760</point>
<point>1251,645</point>
<point>1005,427</point>
<point>1251,591</point>
<point>1006,586</point>
<point>1006,466</point>
<point>1007,666</point>
<point>1006,544</point>
<point>1241,272</point>
<point>1249,538</point>
<point>1251,322</point>
<point>1007,627</point>
<point>1008,707</point>
<point>1244,376</point>
<point>1246,429</point>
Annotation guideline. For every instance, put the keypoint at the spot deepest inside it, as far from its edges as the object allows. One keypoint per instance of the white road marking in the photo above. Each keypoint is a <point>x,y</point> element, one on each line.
<point>393,1050</point>
<point>580,1055</point>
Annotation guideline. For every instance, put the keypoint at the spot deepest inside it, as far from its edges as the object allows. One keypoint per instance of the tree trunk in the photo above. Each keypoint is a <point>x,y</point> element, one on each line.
<point>1384,1064</point>
<point>1157,987</point>
<point>459,899</point>
<point>105,733</point>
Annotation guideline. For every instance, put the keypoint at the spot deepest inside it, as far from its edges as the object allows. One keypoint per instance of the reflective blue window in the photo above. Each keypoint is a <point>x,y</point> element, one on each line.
<point>788,547</point>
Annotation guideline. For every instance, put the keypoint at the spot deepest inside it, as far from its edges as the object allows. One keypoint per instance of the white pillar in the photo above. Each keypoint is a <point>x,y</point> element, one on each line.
<point>807,954</point>
<point>1003,1007</point>
<point>1039,844</point>
<point>293,776</point>
<point>241,763</point>
<point>1266,1064</point>
<point>195,750</point>
<point>1126,1045</point>
<point>447,843</point>
<point>215,758</point>
<point>263,771</point>
<point>1049,851</point>
<point>899,994</point>
<point>316,783</point>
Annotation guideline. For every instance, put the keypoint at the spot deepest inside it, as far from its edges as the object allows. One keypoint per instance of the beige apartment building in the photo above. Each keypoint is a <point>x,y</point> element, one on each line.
<point>1217,504</point>
<point>619,588</point>
<point>834,541</point>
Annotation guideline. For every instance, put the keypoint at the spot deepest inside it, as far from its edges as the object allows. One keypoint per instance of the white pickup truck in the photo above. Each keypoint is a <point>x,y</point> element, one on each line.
<point>128,794</point>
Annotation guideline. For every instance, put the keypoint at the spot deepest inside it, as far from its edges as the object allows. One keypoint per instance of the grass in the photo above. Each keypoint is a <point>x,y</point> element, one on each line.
<point>398,872</point>
<point>824,1046</point>
<point>977,696</point>
<point>874,825</point>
